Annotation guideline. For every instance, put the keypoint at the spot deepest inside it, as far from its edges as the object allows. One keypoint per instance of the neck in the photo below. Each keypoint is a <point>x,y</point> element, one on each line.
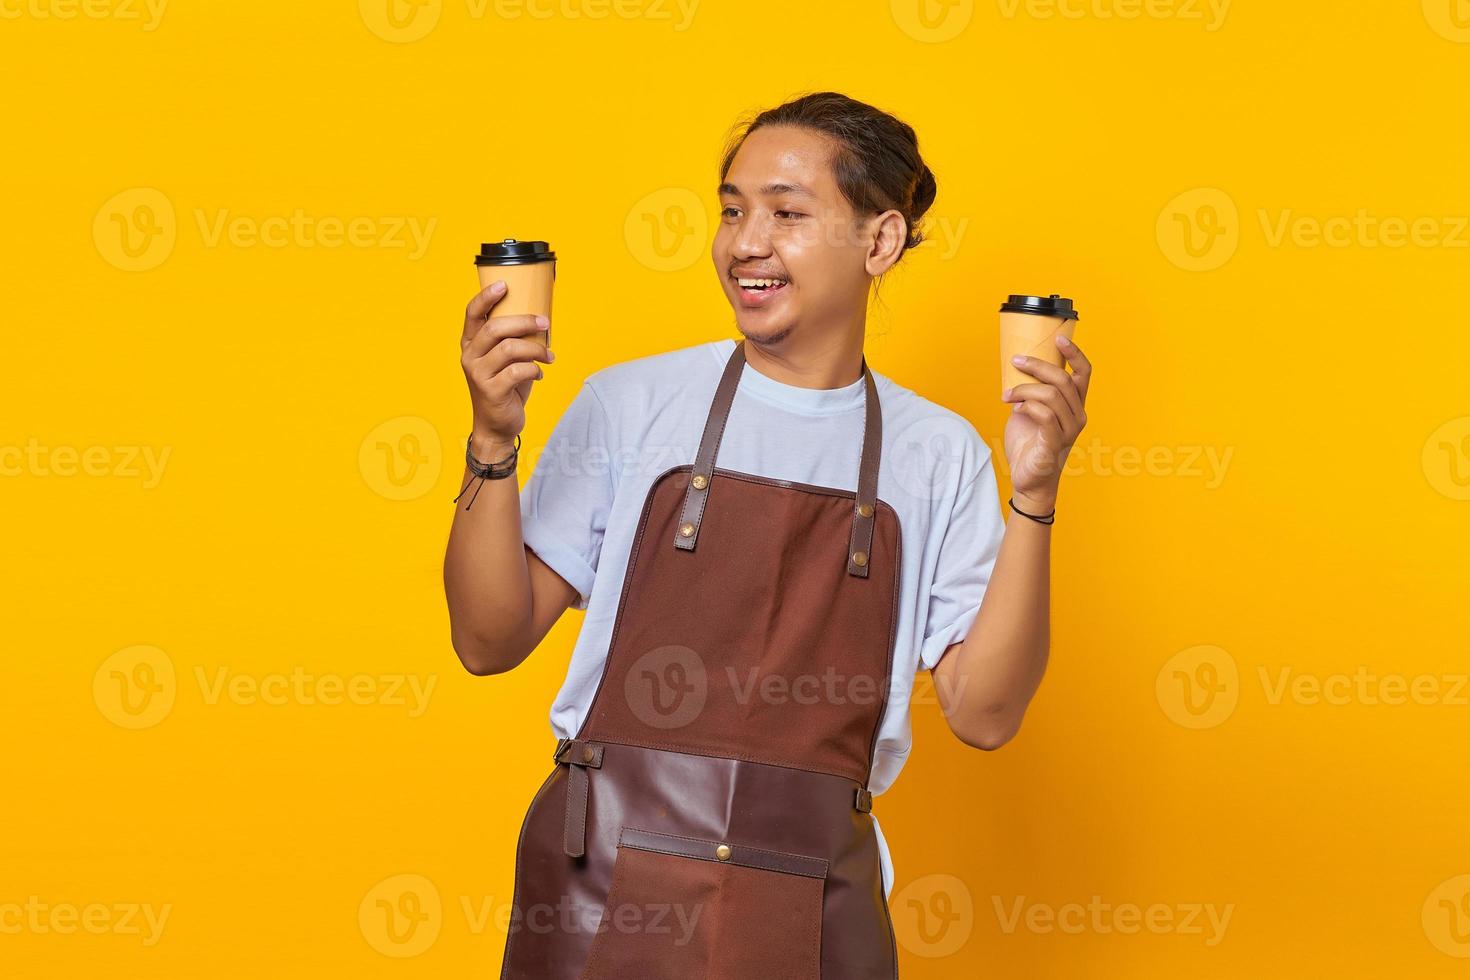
<point>831,361</point>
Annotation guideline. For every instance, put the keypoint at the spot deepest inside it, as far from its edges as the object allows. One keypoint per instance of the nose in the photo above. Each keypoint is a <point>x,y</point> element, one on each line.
<point>752,239</point>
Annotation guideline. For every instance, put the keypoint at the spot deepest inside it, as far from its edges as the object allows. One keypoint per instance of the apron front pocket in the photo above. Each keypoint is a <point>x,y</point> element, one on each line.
<point>684,907</point>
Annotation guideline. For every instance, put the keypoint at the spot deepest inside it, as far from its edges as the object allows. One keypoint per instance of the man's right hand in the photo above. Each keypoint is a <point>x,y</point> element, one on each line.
<point>499,360</point>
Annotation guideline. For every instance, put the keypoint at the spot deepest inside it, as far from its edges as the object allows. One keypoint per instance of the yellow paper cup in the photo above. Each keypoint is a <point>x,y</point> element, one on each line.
<point>529,272</point>
<point>1029,325</point>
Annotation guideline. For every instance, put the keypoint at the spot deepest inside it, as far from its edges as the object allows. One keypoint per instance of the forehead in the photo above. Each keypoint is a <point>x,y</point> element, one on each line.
<point>783,155</point>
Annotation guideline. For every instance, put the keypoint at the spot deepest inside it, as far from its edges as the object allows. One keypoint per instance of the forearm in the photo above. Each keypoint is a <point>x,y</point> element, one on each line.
<point>486,579</point>
<point>988,680</point>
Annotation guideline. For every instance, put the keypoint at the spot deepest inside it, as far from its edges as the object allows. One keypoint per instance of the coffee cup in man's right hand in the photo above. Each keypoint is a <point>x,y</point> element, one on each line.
<point>529,271</point>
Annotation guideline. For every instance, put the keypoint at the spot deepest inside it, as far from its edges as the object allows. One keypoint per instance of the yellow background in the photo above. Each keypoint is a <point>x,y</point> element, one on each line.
<point>1161,765</point>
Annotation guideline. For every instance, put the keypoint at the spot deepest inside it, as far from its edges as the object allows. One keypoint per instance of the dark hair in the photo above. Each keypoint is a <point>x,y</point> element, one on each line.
<point>876,160</point>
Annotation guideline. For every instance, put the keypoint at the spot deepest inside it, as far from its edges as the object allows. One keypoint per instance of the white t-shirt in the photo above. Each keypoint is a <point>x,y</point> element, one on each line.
<point>632,421</point>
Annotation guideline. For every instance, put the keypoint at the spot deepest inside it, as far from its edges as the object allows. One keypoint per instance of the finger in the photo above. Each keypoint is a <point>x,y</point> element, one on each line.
<point>1055,376</point>
<point>497,328</point>
<point>1043,394</point>
<point>1081,366</point>
<point>479,308</point>
<point>511,350</point>
<point>500,386</point>
<point>1045,418</point>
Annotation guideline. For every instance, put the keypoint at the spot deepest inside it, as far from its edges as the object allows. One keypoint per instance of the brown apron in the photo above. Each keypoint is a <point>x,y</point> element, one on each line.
<point>710,821</point>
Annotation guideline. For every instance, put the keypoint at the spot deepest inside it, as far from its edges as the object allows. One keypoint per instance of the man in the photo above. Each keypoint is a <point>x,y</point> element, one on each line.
<point>781,540</point>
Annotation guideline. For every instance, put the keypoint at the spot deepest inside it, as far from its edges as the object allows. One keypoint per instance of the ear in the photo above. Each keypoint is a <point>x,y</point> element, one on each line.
<point>889,232</point>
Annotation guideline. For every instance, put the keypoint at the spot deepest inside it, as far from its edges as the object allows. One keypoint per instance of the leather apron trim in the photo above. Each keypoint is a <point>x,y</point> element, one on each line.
<point>579,756</point>
<point>860,541</point>
<point>722,852</point>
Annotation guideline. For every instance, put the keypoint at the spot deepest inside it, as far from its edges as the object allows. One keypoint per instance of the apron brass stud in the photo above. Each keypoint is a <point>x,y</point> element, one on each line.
<point>588,753</point>
<point>686,530</point>
<point>865,510</point>
<point>860,558</point>
<point>723,852</point>
<point>700,482</point>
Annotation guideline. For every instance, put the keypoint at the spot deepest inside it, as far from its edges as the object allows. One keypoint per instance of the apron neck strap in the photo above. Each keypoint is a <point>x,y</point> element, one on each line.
<point>864,506</point>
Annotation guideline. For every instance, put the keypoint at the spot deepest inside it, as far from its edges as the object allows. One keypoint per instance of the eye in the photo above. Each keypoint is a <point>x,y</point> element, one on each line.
<point>789,214</point>
<point>726,213</point>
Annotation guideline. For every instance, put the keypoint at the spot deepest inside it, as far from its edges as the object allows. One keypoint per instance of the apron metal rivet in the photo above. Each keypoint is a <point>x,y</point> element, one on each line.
<point>588,754</point>
<point>687,530</point>
<point>860,558</point>
<point>865,510</point>
<point>723,852</point>
<point>700,482</point>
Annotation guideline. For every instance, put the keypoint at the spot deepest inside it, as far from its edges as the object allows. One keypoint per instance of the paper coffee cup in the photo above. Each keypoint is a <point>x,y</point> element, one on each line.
<point>1029,325</point>
<point>529,271</point>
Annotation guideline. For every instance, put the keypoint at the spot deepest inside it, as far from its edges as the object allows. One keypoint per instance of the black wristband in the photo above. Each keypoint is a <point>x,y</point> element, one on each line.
<point>1038,518</point>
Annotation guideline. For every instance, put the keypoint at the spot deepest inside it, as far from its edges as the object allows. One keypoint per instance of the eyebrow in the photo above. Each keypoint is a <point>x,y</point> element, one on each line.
<point>769,189</point>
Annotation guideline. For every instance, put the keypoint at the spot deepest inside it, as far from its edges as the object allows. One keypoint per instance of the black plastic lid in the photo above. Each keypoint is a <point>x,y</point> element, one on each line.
<point>512,252</point>
<point>1052,305</point>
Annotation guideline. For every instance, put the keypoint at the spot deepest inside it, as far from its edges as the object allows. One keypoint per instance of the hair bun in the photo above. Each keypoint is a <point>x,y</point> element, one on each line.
<point>922,198</point>
<point>925,189</point>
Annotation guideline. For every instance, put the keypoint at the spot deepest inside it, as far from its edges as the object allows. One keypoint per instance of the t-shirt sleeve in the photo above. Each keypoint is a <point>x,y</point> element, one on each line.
<point>966,558</point>
<point>566,502</point>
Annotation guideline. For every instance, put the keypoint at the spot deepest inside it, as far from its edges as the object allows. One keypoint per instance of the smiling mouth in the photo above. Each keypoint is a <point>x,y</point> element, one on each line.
<point>759,286</point>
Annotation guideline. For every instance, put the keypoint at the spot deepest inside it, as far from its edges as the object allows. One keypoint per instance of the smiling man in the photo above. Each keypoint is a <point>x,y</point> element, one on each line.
<point>757,611</point>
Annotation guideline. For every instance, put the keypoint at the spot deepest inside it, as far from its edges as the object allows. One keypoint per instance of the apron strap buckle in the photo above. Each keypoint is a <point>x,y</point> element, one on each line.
<point>864,801</point>
<point>578,757</point>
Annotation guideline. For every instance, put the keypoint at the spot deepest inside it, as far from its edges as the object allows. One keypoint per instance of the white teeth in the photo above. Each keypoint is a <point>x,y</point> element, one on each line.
<point>750,283</point>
